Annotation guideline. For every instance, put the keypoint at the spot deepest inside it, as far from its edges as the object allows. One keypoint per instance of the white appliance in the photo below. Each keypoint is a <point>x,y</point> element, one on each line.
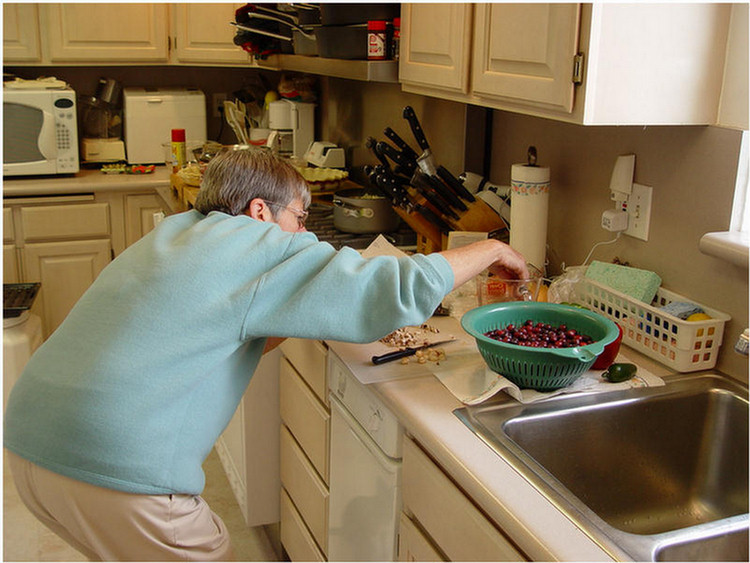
<point>365,473</point>
<point>292,127</point>
<point>40,130</point>
<point>152,113</point>
<point>22,335</point>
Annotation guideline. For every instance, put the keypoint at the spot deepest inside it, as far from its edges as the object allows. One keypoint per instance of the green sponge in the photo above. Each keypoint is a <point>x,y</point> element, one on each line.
<point>639,284</point>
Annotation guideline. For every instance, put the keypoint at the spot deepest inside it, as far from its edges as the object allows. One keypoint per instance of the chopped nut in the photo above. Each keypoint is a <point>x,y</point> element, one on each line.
<point>404,361</point>
<point>422,360</point>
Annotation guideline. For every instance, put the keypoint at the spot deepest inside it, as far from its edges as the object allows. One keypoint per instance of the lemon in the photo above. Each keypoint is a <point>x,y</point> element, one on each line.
<point>699,317</point>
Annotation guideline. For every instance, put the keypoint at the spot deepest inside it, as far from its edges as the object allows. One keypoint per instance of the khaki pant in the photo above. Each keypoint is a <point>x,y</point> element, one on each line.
<point>109,525</point>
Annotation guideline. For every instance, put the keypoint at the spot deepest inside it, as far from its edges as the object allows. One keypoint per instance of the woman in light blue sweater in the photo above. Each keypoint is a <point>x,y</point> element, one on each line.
<point>110,422</point>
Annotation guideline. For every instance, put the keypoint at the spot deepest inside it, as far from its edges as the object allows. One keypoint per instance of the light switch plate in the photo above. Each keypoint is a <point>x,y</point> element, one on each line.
<point>638,207</point>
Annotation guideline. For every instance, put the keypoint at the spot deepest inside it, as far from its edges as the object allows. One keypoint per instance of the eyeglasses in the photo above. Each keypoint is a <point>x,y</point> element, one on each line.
<point>300,214</point>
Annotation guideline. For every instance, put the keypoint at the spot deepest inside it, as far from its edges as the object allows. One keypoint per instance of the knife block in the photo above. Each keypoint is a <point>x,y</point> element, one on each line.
<point>478,217</point>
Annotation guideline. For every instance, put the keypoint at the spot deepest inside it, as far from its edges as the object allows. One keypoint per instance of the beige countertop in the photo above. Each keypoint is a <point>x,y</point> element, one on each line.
<point>85,181</point>
<point>425,408</point>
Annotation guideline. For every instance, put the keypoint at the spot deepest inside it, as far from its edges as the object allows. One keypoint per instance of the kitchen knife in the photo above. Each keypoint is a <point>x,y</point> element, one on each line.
<point>446,193</point>
<point>371,143</point>
<point>390,183</point>
<point>406,352</point>
<point>405,164</point>
<point>406,150</point>
<point>425,161</point>
<point>453,182</point>
<point>422,184</point>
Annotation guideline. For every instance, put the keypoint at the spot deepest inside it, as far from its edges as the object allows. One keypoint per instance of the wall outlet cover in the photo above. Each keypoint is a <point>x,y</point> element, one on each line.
<point>638,207</point>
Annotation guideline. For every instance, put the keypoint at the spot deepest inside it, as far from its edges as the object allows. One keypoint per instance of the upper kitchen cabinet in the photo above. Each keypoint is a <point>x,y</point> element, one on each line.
<point>593,64</point>
<point>120,34</point>
<point>436,46</point>
<point>202,34</point>
<point>21,33</point>
<point>525,53</point>
<point>106,33</point>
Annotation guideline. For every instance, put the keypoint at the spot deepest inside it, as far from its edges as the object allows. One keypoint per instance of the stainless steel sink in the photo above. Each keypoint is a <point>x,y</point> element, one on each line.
<point>656,474</point>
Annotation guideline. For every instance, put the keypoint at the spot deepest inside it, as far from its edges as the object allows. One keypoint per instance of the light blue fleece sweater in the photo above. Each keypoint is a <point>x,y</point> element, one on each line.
<point>137,383</point>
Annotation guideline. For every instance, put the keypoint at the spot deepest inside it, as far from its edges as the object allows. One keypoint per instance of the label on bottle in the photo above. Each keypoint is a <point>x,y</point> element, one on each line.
<point>376,41</point>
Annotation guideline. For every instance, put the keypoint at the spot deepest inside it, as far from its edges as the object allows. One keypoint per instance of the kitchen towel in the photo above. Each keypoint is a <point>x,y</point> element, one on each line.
<point>465,374</point>
<point>529,203</point>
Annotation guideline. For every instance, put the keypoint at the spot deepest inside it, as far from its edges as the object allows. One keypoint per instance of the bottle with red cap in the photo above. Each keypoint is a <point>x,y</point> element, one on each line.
<point>179,153</point>
<point>376,43</point>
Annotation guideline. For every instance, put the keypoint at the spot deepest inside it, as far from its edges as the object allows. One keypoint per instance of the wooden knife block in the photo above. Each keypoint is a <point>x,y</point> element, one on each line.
<point>478,217</point>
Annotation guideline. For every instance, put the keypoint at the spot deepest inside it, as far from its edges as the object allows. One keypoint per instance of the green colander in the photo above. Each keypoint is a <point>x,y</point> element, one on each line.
<point>543,369</point>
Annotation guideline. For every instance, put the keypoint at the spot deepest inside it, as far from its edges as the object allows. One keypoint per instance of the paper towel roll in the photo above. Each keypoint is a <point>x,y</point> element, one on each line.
<point>529,203</point>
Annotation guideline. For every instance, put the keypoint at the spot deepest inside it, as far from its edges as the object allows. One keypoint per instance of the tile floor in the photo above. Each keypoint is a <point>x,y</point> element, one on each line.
<point>25,539</point>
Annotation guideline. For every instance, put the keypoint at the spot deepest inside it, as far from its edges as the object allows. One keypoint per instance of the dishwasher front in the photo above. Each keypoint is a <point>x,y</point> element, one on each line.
<point>365,473</point>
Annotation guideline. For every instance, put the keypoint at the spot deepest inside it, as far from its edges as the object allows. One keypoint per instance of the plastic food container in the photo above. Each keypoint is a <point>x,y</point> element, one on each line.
<point>683,345</point>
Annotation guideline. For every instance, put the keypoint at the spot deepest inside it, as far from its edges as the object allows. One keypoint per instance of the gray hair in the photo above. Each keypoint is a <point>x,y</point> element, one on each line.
<point>236,177</point>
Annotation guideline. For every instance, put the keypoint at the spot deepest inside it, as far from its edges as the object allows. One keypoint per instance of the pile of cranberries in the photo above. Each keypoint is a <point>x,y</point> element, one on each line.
<point>540,335</point>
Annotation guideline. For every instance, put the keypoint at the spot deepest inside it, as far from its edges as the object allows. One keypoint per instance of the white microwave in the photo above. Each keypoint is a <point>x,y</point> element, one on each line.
<point>40,131</point>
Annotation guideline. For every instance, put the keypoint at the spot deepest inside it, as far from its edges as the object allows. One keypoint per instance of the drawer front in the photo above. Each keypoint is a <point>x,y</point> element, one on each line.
<point>295,537</point>
<point>7,224</point>
<point>413,545</point>
<point>309,359</point>
<point>49,222</point>
<point>306,489</point>
<point>306,417</point>
<point>461,531</point>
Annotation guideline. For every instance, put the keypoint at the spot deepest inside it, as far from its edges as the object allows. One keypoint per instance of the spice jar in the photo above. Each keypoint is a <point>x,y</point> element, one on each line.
<point>376,43</point>
<point>179,154</point>
<point>396,41</point>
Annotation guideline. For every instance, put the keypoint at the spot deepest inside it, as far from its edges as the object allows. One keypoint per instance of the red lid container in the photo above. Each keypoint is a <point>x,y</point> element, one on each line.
<point>178,135</point>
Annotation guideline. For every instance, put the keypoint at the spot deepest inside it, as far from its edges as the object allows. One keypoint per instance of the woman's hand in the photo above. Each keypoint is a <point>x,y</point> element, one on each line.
<point>470,260</point>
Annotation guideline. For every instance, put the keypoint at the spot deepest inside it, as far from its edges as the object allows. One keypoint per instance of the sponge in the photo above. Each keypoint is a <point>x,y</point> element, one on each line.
<point>639,284</point>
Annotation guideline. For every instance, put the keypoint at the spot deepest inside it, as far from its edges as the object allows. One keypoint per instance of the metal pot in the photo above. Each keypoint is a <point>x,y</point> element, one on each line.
<point>357,211</point>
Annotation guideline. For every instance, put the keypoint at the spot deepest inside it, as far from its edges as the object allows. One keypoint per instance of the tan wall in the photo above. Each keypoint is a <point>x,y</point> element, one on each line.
<point>692,171</point>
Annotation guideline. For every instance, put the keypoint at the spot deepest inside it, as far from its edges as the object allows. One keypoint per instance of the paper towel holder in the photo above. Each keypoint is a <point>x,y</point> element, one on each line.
<point>531,156</point>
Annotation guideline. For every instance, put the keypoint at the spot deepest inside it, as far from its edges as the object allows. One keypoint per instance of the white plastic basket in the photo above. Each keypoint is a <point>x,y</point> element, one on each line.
<point>682,345</point>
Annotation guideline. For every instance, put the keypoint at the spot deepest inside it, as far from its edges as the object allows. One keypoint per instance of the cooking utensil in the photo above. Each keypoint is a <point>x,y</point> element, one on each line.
<point>453,182</point>
<point>356,211</point>
<point>406,352</point>
<point>406,150</point>
<point>543,369</point>
<point>426,160</point>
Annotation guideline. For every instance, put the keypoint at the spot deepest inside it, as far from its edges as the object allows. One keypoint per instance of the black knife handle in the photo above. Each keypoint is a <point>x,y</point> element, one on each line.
<point>453,182</point>
<point>372,144</point>
<point>447,193</point>
<point>391,356</point>
<point>427,213</point>
<point>396,156</point>
<point>400,143</point>
<point>438,204</point>
<point>416,128</point>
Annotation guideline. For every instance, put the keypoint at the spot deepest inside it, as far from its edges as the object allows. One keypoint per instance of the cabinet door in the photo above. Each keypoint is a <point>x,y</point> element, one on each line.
<point>65,270</point>
<point>139,215</point>
<point>110,32</point>
<point>436,44</point>
<point>10,264</point>
<point>525,53</point>
<point>21,33</point>
<point>203,34</point>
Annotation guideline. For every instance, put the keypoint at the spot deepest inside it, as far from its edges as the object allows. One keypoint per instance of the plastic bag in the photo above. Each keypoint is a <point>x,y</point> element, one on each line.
<point>563,287</point>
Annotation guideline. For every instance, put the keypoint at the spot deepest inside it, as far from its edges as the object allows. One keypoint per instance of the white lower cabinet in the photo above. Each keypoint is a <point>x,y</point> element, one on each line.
<point>413,544</point>
<point>304,445</point>
<point>452,523</point>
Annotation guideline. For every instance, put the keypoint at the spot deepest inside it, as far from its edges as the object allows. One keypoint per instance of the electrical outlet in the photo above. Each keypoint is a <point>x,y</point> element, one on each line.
<point>638,207</point>
<point>217,103</point>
